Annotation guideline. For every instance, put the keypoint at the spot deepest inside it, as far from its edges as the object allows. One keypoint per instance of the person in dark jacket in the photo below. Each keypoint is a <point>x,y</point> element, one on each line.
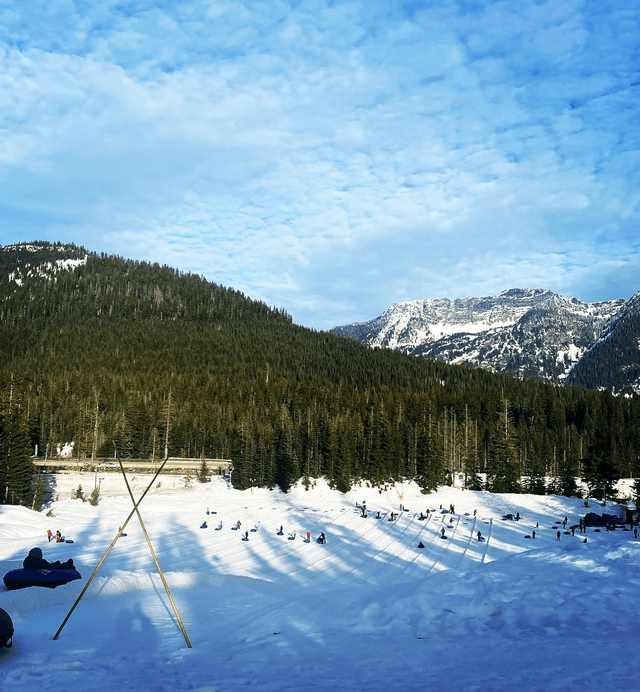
<point>34,560</point>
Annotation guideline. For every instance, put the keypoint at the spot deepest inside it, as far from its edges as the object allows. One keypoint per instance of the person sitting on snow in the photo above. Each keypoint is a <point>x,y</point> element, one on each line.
<point>34,560</point>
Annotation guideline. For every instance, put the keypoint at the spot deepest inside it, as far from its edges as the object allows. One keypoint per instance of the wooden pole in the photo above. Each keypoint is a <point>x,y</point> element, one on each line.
<point>155,559</point>
<point>104,557</point>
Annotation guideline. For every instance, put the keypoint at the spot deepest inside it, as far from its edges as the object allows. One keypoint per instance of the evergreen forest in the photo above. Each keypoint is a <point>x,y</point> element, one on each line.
<point>120,357</point>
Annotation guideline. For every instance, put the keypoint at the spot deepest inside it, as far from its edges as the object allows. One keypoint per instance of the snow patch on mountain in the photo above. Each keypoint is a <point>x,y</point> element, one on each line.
<point>46,269</point>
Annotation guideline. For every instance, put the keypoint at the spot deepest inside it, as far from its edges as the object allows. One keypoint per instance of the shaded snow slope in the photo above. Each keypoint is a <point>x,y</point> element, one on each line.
<point>367,611</point>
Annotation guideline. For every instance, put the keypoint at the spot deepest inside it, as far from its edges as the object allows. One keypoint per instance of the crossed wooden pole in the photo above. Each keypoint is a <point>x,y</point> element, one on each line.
<point>135,510</point>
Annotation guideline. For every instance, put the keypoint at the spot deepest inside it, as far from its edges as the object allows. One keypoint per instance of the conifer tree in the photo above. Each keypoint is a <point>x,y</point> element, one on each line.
<point>503,469</point>
<point>17,472</point>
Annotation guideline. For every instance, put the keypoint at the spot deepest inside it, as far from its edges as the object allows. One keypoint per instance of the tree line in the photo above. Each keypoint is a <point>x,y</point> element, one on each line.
<point>119,356</point>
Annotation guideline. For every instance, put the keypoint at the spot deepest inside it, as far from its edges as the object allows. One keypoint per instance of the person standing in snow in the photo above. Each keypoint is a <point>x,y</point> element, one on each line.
<point>49,535</point>
<point>557,535</point>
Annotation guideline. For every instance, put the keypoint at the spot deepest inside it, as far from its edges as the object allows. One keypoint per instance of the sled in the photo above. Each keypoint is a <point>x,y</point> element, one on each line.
<point>49,578</point>
<point>68,541</point>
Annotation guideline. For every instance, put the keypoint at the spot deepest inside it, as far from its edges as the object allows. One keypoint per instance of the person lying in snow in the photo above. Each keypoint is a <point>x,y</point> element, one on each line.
<point>34,560</point>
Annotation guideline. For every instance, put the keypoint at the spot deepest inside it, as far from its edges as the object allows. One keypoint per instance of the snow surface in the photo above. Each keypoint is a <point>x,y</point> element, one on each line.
<point>367,611</point>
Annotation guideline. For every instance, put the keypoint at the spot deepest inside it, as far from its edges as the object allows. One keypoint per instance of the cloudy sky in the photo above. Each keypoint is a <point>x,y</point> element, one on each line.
<point>331,158</point>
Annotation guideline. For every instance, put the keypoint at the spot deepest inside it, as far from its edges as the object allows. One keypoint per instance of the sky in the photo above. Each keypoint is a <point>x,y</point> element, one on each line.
<point>368,611</point>
<point>331,158</point>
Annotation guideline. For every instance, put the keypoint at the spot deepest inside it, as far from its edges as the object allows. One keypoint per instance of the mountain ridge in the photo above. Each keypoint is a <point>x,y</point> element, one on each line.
<point>530,333</point>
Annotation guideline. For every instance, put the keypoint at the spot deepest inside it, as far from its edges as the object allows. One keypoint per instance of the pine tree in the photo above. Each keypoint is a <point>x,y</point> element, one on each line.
<point>17,472</point>
<point>503,467</point>
<point>203,475</point>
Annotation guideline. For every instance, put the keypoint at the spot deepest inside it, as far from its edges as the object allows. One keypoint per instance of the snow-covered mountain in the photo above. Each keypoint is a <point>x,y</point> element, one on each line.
<point>613,362</point>
<point>525,332</point>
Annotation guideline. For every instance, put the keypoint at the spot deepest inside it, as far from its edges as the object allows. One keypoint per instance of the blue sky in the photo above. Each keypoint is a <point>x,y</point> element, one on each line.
<point>330,158</point>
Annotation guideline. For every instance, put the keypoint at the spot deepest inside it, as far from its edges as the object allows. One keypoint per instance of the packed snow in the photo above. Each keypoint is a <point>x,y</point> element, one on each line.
<point>368,610</point>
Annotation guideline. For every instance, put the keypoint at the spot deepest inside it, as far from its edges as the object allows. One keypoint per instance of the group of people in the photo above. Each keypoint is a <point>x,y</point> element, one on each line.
<point>279,531</point>
<point>58,537</point>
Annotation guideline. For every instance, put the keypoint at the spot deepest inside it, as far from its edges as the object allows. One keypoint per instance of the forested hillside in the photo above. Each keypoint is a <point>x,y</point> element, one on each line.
<point>106,353</point>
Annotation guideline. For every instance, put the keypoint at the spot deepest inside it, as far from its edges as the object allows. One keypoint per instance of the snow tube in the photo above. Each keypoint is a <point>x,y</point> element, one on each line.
<point>50,578</point>
<point>6,629</point>
<point>69,541</point>
<point>279,533</point>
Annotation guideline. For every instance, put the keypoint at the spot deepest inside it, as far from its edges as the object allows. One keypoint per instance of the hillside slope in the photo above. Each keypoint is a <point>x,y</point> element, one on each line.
<point>124,358</point>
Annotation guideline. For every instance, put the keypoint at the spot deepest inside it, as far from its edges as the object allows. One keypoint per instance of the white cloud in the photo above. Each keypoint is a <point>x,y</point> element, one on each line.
<point>329,159</point>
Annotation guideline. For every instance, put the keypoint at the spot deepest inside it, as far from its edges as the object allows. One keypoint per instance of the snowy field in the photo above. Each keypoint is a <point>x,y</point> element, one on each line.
<point>368,610</point>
